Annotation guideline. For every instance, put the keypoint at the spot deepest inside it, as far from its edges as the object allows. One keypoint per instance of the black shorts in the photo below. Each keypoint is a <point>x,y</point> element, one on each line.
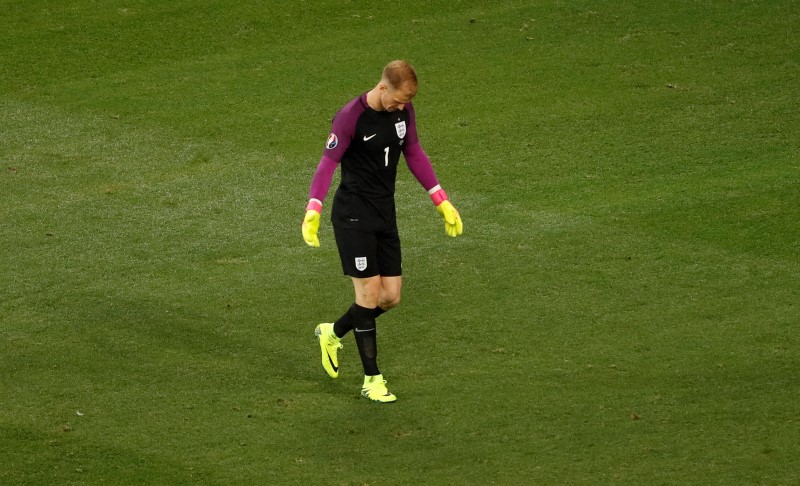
<point>369,253</point>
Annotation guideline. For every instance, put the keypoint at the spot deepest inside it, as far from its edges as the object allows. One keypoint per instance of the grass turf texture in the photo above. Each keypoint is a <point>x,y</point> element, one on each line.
<point>621,308</point>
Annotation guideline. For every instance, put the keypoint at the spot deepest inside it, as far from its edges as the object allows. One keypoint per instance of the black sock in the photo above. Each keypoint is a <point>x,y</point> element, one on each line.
<point>366,338</point>
<point>344,324</point>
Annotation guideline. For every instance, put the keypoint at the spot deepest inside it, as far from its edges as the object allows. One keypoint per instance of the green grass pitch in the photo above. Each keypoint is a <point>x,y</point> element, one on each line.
<point>621,309</point>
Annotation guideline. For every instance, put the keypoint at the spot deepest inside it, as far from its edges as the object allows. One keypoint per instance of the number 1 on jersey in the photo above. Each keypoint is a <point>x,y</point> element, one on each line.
<point>386,156</point>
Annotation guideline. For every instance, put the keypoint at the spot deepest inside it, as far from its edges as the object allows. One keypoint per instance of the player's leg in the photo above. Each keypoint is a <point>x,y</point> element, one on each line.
<point>384,294</point>
<point>357,251</point>
<point>389,296</point>
<point>358,257</point>
<point>375,294</point>
<point>368,291</point>
<point>390,266</point>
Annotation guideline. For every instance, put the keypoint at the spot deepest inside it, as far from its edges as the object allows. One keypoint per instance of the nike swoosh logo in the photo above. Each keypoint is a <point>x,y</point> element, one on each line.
<point>367,138</point>
<point>335,368</point>
<point>364,330</point>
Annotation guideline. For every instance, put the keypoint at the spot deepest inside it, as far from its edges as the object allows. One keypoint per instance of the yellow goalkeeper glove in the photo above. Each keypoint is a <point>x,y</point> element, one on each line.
<point>310,226</point>
<point>452,220</point>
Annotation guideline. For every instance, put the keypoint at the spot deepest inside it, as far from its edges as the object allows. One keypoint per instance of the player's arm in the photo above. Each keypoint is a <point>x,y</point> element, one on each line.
<point>420,165</point>
<point>320,184</point>
<point>342,130</point>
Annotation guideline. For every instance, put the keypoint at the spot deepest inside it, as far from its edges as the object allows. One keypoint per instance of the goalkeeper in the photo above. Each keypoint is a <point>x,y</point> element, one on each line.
<point>367,137</point>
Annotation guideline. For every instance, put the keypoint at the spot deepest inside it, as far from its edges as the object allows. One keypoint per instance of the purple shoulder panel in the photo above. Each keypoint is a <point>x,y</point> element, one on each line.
<point>343,128</point>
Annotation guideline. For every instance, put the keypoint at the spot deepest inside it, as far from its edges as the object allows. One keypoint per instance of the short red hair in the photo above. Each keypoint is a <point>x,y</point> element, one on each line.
<point>400,75</point>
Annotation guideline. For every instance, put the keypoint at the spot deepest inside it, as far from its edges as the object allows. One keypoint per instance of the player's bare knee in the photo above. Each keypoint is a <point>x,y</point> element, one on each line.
<point>367,300</point>
<point>393,302</point>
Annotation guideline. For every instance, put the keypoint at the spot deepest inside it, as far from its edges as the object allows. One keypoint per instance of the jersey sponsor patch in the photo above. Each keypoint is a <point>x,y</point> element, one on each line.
<point>361,263</point>
<point>401,129</point>
<point>332,142</point>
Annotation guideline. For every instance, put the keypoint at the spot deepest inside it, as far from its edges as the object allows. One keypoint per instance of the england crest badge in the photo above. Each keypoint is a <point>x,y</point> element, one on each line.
<point>401,129</point>
<point>361,263</point>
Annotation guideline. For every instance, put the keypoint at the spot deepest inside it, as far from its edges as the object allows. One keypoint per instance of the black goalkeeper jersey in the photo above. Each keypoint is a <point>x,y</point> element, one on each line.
<point>368,143</point>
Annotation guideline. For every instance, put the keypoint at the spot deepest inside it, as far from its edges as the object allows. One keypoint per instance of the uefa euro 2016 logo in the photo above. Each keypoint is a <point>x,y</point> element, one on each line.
<point>332,142</point>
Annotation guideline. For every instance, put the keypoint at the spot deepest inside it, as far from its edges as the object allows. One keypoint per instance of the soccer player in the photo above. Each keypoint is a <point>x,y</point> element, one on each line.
<point>367,137</point>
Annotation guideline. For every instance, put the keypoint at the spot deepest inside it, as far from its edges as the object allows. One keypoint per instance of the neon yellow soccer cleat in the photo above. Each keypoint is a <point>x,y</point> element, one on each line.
<point>374,388</point>
<point>330,345</point>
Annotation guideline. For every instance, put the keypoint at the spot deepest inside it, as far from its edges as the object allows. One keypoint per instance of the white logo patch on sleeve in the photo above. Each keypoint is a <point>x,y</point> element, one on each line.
<point>332,142</point>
